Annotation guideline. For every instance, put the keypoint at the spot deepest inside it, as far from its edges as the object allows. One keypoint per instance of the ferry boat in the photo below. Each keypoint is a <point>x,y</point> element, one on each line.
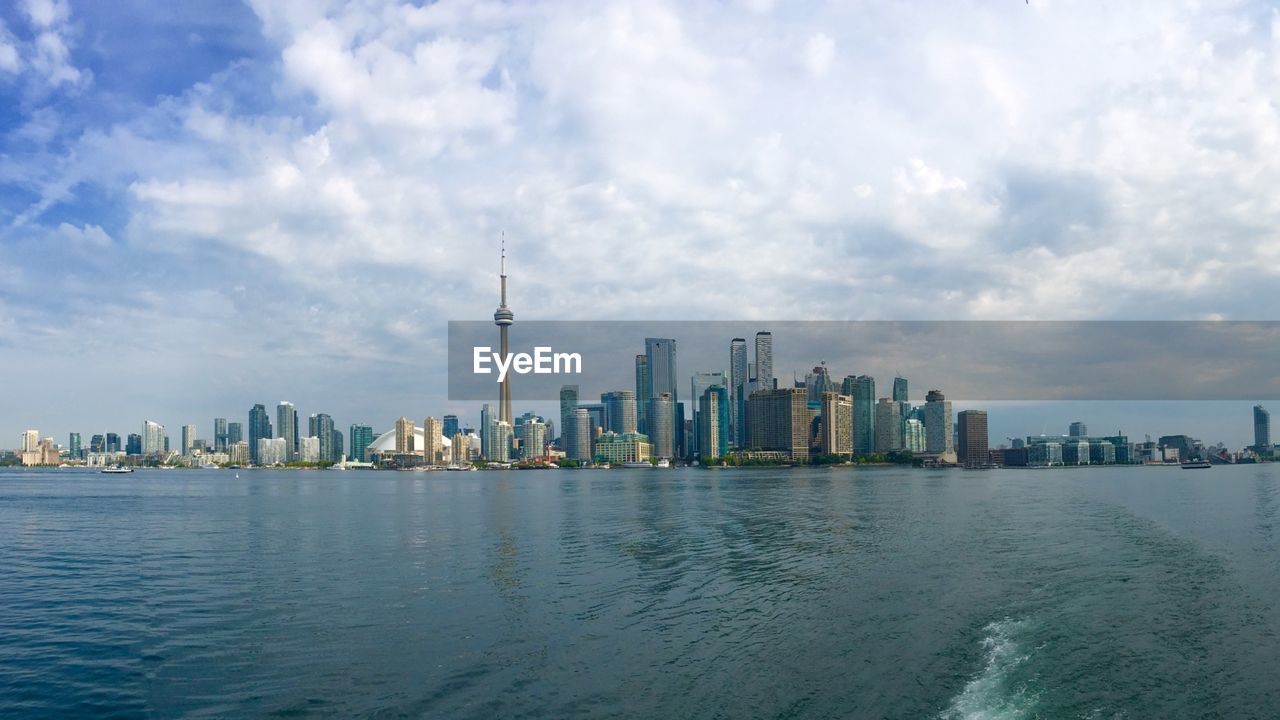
<point>638,464</point>
<point>663,463</point>
<point>113,469</point>
<point>1196,465</point>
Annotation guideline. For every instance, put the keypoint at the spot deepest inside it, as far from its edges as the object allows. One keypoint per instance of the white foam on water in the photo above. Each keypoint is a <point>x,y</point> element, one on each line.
<point>990,695</point>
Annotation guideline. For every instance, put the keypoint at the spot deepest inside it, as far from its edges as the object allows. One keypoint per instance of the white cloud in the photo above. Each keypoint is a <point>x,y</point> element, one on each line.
<point>819,52</point>
<point>9,58</point>
<point>88,235</point>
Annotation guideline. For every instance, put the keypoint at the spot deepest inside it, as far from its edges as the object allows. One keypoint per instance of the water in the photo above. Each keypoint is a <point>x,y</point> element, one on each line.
<point>1091,593</point>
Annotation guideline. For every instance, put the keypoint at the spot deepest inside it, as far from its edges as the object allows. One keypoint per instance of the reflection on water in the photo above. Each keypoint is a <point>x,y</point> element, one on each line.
<point>1125,592</point>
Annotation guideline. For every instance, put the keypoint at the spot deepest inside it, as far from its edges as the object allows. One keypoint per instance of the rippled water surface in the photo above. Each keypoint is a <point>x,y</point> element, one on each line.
<point>1091,593</point>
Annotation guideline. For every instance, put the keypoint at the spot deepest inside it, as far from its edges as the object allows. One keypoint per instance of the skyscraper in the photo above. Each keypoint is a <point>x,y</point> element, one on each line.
<point>30,441</point>
<point>974,447</point>
<point>488,426</point>
<point>188,438</point>
<point>642,394</point>
<point>152,438</point>
<point>764,360</point>
<point>660,356</point>
<point>619,411</point>
<point>451,425</point>
<point>837,425</point>
<point>780,420</point>
<point>661,414</point>
<point>1077,429</point>
<point>862,389</point>
<point>900,390</point>
<point>1261,430</point>
<point>113,443</point>
<point>97,444</point>
<point>712,421</point>
<point>699,383</point>
<point>220,442</point>
<point>287,428</point>
<point>133,444</point>
<point>259,428</point>
<point>533,439</point>
<point>938,436</point>
<point>405,436</point>
<point>738,378</point>
<point>320,425</point>
<point>888,426</point>
<point>361,438</point>
<point>568,404</point>
<point>580,437</point>
<point>503,318</point>
<point>73,445</point>
<point>235,433</point>
<point>432,441</point>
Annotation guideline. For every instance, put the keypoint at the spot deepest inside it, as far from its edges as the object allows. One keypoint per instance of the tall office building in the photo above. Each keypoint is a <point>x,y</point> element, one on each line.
<point>764,360</point>
<point>660,354</point>
<point>1077,429</point>
<point>220,442</point>
<point>335,445</point>
<point>837,425</point>
<point>862,389</point>
<point>580,437</point>
<point>361,438</point>
<point>460,449</point>
<point>152,438</point>
<point>938,435</point>
<point>97,444</point>
<point>780,420</point>
<point>974,448</point>
<point>738,379</point>
<point>568,404</point>
<point>287,428</point>
<point>320,425</point>
<point>913,435</point>
<point>1261,429</point>
<point>817,382</point>
<point>619,411</point>
<point>451,426</point>
<point>888,421</point>
<point>259,428</point>
<point>502,435</point>
<point>712,421</point>
<point>488,425</point>
<point>433,441</point>
<point>900,390</point>
<point>405,436</point>
<point>661,433</point>
<point>533,439</point>
<point>73,445</point>
<point>133,444</point>
<point>642,393</point>
<point>113,443</point>
<point>188,438</point>
<point>504,318</point>
<point>699,383</point>
<point>31,441</point>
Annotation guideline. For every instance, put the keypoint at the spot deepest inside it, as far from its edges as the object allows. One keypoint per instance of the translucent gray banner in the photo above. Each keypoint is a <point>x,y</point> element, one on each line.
<point>967,360</point>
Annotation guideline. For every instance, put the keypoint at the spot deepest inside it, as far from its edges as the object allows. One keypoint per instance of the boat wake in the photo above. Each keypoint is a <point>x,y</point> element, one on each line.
<point>996,693</point>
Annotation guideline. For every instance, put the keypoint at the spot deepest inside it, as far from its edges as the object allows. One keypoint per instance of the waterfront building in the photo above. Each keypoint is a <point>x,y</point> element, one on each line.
<point>738,378</point>
<point>764,360</point>
<point>661,415</point>
<point>900,390</point>
<point>780,420</point>
<point>1044,454</point>
<point>309,449</point>
<point>188,438</point>
<point>713,422</point>
<point>238,453</point>
<point>1078,429</point>
<point>619,411</point>
<point>699,382</point>
<point>235,433</point>
<point>287,428</point>
<point>153,440</point>
<point>568,406</point>
<point>973,448</point>
<point>220,442</point>
<point>642,394</point>
<point>460,449</point>
<point>837,425</point>
<point>97,444</point>
<point>133,444</point>
<point>939,437</point>
<point>502,434</point>
<point>73,445</point>
<point>272,451</point>
<point>596,418</point>
<point>1261,430</point>
<point>361,438</point>
<point>432,441</point>
<point>488,442</point>
<point>817,382</point>
<point>1102,452</point>
<point>30,441</point>
<point>888,426</point>
<point>660,356</point>
<point>1075,451</point>
<point>617,448</point>
<point>45,452</point>
<point>913,436</point>
<point>579,447</point>
<point>320,425</point>
<point>451,426</point>
<point>113,443</point>
<point>533,439</point>
<point>259,428</point>
<point>862,389</point>
<point>405,437</point>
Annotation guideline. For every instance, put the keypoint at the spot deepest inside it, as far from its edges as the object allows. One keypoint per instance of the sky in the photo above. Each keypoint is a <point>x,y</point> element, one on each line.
<point>206,205</point>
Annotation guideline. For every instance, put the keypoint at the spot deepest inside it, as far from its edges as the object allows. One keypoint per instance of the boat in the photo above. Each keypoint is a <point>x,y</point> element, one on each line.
<point>113,469</point>
<point>637,464</point>
<point>664,463</point>
<point>1196,465</point>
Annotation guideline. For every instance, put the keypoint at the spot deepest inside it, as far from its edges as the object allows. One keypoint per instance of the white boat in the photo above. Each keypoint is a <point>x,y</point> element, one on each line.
<point>113,469</point>
<point>638,464</point>
<point>664,463</point>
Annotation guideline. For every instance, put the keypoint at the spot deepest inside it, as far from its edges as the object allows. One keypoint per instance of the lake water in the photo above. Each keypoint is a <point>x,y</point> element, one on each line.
<point>822,593</point>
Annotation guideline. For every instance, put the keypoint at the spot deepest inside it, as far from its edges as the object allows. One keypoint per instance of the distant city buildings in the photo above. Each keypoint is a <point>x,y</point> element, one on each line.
<point>1261,430</point>
<point>973,448</point>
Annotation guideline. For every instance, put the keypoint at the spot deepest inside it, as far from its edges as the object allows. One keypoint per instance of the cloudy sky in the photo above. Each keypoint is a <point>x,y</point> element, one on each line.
<point>204,205</point>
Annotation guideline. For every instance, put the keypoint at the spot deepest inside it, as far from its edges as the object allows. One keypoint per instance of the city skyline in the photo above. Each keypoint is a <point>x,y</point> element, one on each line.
<point>245,220</point>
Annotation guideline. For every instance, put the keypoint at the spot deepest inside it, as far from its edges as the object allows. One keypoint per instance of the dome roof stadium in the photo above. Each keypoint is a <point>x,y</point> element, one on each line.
<point>386,442</point>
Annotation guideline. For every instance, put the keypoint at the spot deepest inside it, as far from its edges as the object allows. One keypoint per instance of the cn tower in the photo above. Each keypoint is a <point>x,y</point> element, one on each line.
<point>503,317</point>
